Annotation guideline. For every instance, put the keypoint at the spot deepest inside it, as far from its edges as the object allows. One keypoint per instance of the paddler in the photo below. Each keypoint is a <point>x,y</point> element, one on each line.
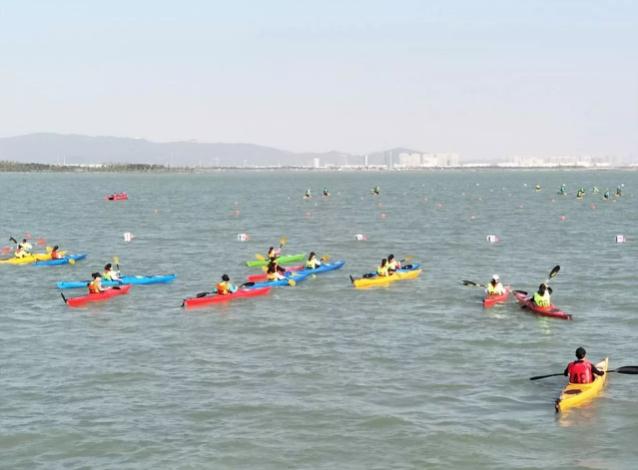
<point>376,190</point>
<point>393,264</point>
<point>274,273</point>
<point>606,195</point>
<point>382,270</point>
<point>618,191</point>
<point>110,274</point>
<point>325,192</point>
<point>273,253</point>
<point>495,287</point>
<point>225,287</point>
<point>307,194</point>
<point>542,296</point>
<point>312,262</point>
<point>581,371</point>
<point>95,286</point>
<point>55,254</point>
<point>23,249</point>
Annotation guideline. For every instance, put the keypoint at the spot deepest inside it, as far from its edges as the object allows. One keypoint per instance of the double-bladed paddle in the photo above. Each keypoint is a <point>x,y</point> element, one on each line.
<point>619,370</point>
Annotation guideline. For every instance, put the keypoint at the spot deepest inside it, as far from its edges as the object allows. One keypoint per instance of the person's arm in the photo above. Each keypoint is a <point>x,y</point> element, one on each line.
<point>597,371</point>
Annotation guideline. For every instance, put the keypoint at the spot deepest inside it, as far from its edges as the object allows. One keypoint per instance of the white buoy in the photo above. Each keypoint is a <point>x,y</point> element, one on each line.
<point>242,237</point>
<point>128,236</point>
<point>360,237</point>
<point>492,239</point>
<point>620,239</point>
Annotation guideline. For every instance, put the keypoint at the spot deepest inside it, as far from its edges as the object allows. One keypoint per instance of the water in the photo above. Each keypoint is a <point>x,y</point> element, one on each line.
<point>320,375</point>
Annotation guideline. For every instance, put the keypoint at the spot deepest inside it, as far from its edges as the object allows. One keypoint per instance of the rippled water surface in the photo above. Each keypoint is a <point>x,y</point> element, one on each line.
<point>416,375</point>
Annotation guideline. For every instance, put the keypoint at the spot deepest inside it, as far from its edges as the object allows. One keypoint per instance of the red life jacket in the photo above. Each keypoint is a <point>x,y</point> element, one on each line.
<point>580,372</point>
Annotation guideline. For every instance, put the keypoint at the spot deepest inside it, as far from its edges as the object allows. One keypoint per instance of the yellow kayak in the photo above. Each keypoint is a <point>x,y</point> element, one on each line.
<point>29,259</point>
<point>574,395</point>
<point>400,275</point>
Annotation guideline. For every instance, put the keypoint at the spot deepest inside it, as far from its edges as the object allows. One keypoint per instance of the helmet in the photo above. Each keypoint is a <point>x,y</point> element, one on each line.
<point>496,277</point>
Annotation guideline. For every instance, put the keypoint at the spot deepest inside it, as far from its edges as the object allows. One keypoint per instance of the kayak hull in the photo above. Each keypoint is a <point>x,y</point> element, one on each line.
<point>83,300</point>
<point>116,197</point>
<point>125,280</point>
<point>575,395</point>
<point>490,300</point>
<point>61,261</point>
<point>296,277</point>
<point>552,311</point>
<point>29,259</point>
<point>324,268</point>
<point>399,275</point>
<point>286,259</point>
<point>194,302</point>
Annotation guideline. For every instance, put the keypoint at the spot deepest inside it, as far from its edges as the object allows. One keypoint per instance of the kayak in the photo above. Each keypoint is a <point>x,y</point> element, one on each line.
<point>325,267</point>
<point>116,197</point>
<point>29,259</point>
<point>65,260</point>
<point>286,259</point>
<point>490,300</point>
<point>215,298</point>
<point>262,276</point>
<point>371,280</point>
<point>551,311</point>
<point>574,395</point>
<point>124,280</point>
<point>101,297</point>
<point>296,277</point>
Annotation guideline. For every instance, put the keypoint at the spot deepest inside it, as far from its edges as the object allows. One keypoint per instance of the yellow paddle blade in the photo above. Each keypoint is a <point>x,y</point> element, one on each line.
<point>116,259</point>
<point>71,261</point>
<point>264,268</point>
<point>292,283</point>
<point>283,241</point>
<point>260,257</point>
<point>325,258</point>
<point>49,249</point>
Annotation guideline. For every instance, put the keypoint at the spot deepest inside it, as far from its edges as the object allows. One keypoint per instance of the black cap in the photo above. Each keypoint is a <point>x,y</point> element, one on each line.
<point>95,275</point>
<point>225,278</point>
<point>580,352</point>
<point>107,266</point>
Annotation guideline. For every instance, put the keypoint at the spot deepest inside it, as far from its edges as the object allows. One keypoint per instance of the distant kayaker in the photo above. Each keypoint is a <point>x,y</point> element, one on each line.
<point>95,286</point>
<point>618,191</point>
<point>393,264</point>
<point>542,296</point>
<point>273,253</point>
<point>225,287</point>
<point>495,287</point>
<point>382,270</point>
<point>274,273</point>
<point>23,249</point>
<point>55,254</point>
<point>538,187</point>
<point>325,192</point>
<point>110,274</point>
<point>313,262</point>
<point>376,190</point>
<point>581,371</point>
<point>308,194</point>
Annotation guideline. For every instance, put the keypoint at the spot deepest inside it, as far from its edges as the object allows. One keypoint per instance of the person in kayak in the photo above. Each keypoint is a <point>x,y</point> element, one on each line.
<point>55,254</point>
<point>95,286</point>
<point>542,296</point>
<point>581,371</point>
<point>376,190</point>
<point>274,272</point>
<point>307,194</point>
<point>23,249</point>
<point>393,264</point>
<point>606,195</point>
<point>382,270</point>
<point>495,287</point>
<point>273,253</point>
<point>313,262</point>
<point>110,274</point>
<point>618,191</point>
<point>325,192</point>
<point>225,287</point>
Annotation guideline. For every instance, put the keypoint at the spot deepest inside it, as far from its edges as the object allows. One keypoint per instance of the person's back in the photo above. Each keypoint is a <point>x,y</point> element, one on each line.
<point>382,270</point>
<point>542,296</point>
<point>581,371</point>
<point>495,287</point>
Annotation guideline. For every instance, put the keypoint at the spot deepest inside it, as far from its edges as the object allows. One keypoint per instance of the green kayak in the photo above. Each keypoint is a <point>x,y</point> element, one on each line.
<point>286,259</point>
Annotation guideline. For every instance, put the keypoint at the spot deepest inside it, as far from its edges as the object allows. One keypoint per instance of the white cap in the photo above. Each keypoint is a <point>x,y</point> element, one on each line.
<point>496,278</point>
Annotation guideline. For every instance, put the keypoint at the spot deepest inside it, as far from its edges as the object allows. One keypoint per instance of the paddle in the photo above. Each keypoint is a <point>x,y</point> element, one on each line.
<point>282,243</point>
<point>620,370</point>
<point>473,284</point>
<point>63,298</point>
<point>204,294</point>
<point>11,239</point>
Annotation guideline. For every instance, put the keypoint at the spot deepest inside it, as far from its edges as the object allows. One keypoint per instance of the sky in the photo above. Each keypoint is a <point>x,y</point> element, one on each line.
<point>486,79</point>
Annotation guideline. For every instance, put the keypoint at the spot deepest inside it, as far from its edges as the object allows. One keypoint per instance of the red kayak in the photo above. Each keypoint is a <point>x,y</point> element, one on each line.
<point>211,299</point>
<point>551,311</point>
<point>490,300</point>
<point>101,297</point>
<point>116,197</point>
<point>262,276</point>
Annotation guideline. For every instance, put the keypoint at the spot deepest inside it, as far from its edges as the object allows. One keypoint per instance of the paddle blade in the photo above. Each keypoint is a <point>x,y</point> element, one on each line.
<point>71,261</point>
<point>554,272</point>
<point>247,284</point>
<point>325,258</point>
<point>201,294</point>
<point>116,260</point>
<point>63,298</point>
<point>260,257</point>
<point>626,370</point>
<point>545,376</point>
<point>470,283</point>
<point>283,241</point>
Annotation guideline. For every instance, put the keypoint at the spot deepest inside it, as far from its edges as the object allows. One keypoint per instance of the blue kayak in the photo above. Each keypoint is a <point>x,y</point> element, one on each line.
<point>58,262</point>
<point>124,280</point>
<point>324,268</point>
<point>295,276</point>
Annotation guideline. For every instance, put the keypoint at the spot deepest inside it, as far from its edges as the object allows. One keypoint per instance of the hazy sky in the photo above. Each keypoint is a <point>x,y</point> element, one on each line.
<point>482,78</point>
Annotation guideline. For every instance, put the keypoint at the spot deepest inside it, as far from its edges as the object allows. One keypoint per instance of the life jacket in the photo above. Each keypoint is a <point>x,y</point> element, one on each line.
<point>223,288</point>
<point>20,253</point>
<point>272,276</point>
<point>55,254</point>
<point>580,372</point>
<point>382,271</point>
<point>272,254</point>
<point>94,286</point>
<point>312,263</point>
<point>107,276</point>
<point>542,300</point>
<point>497,289</point>
<point>393,265</point>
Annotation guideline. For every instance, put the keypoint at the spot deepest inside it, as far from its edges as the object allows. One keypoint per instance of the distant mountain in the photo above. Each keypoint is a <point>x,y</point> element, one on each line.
<point>79,149</point>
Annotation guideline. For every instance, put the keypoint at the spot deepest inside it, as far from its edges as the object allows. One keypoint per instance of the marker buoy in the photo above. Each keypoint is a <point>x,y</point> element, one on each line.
<point>243,237</point>
<point>492,239</point>
<point>360,237</point>
<point>128,236</point>
<point>563,218</point>
<point>620,239</point>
